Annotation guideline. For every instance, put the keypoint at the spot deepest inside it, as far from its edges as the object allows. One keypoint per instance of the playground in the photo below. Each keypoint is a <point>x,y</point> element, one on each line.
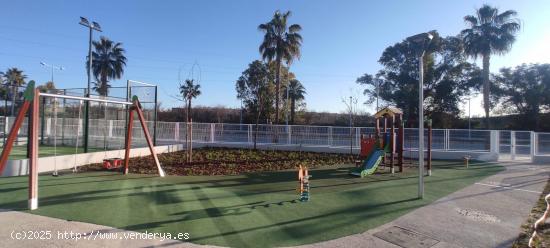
<point>249,210</point>
<point>238,197</point>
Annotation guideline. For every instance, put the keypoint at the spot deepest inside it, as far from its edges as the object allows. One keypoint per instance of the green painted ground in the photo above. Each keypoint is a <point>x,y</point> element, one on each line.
<point>20,152</point>
<point>255,210</point>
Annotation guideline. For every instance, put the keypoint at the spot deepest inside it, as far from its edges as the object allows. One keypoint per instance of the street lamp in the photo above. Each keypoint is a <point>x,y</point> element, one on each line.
<point>52,67</point>
<point>91,26</point>
<point>420,42</point>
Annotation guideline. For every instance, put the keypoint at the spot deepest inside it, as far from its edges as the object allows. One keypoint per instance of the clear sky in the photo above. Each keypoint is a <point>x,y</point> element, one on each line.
<point>342,40</point>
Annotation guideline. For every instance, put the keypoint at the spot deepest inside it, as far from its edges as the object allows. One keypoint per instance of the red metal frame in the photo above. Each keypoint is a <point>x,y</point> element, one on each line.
<point>139,112</point>
<point>32,102</point>
<point>13,135</point>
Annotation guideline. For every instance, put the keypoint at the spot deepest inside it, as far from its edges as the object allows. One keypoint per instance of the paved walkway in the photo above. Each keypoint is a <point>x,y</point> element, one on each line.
<point>486,214</point>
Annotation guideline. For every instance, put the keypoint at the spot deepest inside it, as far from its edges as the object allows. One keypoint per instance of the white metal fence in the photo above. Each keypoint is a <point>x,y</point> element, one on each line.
<point>110,134</point>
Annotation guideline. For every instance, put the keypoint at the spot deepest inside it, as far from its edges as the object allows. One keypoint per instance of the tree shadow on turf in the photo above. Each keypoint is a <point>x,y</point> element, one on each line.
<point>244,186</point>
<point>302,228</point>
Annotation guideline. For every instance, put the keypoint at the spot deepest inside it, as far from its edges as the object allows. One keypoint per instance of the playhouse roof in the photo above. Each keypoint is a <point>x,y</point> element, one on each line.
<point>389,110</point>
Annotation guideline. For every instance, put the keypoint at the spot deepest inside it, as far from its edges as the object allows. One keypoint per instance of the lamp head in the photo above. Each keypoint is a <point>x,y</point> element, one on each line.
<point>84,22</point>
<point>96,26</point>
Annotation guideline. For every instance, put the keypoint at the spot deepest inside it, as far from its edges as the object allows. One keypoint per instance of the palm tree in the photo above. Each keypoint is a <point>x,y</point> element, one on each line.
<point>108,63</point>
<point>281,43</point>
<point>189,90</point>
<point>47,87</point>
<point>489,32</point>
<point>14,78</point>
<point>296,92</point>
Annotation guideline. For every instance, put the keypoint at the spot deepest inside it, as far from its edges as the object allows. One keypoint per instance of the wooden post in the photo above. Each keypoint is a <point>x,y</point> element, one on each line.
<point>377,128</point>
<point>392,142</point>
<point>147,135</point>
<point>128,141</point>
<point>33,152</point>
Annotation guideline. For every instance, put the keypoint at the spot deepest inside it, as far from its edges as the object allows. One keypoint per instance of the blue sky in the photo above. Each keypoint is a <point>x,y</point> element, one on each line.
<point>342,40</point>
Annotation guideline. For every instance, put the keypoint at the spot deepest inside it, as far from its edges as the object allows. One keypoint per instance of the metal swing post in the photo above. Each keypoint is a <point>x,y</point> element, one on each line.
<point>137,108</point>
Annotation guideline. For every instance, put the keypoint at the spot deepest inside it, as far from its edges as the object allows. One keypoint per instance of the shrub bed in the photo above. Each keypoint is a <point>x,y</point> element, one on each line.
<point>226,161</point>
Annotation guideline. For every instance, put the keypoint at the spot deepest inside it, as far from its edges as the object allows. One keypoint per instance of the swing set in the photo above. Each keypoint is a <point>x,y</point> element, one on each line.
<point>31,103</point>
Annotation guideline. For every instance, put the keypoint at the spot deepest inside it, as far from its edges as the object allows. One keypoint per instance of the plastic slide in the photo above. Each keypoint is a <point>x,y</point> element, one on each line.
<point>370,164</point>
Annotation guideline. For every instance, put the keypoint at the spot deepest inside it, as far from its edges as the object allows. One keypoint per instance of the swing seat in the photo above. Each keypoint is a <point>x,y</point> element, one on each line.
<point>112,163</point>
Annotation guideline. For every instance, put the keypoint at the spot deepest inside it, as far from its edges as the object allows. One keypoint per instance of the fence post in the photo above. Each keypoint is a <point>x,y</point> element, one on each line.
<point>249,133</point>
<point>6,128</point>
<point>289,133</point>
<point>447,141</point>
<point>110,128</point>
<point>357,135</point>
<point>176,131</point>
<point>48,126</point>
<point>212,132</point>
<point>329,136</point>
<point>513,145</point>
<point>533,150</point>
<point>494,143</point>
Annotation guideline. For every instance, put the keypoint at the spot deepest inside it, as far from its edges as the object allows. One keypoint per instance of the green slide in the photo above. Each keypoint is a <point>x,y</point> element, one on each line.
<point>370,164</point>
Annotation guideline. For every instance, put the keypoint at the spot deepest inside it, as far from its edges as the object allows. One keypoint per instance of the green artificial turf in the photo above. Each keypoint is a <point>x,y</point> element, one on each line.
<point>254,210</point>
<point>20,152</point>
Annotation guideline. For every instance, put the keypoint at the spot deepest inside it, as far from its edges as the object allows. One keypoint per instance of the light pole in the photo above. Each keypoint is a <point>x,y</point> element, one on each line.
<point>52,67</point>
<point>420,42</point>
<point>91,26</point>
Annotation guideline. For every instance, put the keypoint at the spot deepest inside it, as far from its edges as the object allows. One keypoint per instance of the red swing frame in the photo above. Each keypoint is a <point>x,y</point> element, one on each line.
<point>32,102</point>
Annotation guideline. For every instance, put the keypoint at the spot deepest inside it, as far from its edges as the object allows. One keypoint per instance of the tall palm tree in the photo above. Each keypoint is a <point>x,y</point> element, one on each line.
<point>108,62</point>
<point>189,90</point>
<point>489,32</point>
<point>14,78</point>
<point>296,92</point>
<point>47,87</point>
<point>281,43</point>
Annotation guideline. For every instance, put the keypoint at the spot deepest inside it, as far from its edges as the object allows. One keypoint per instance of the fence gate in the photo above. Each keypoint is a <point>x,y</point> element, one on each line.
<point>516,145</point>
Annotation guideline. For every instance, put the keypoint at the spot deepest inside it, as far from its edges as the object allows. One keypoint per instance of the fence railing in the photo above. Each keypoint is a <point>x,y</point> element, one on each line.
<point>110,134</point>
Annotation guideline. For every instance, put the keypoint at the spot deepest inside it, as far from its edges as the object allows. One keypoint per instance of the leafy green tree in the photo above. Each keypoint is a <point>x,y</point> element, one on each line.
<point>489,32</point>
<point>108,63</point>
<point>254,89</point>
<point>14,78</point>
<point>448,77</point>
<point>525,90</point>
<point>296,92</point>
<point>281,43</point>
<point>189,90</point>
